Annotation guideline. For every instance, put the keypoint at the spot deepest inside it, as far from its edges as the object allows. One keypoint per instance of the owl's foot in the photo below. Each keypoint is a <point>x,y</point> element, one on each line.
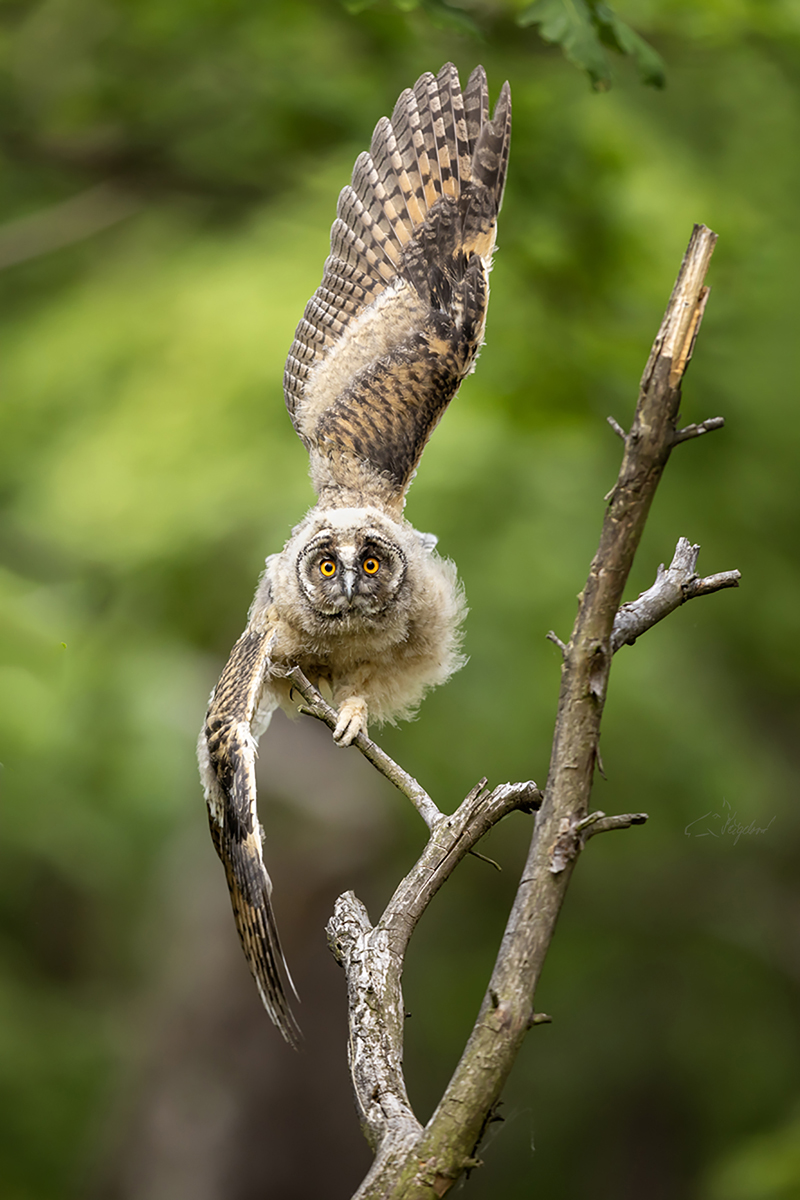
<point>352,721</point>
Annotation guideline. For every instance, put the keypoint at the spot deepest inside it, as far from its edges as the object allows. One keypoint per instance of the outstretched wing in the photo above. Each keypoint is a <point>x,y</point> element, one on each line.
<point>227,751</point>
<point>400,314</point>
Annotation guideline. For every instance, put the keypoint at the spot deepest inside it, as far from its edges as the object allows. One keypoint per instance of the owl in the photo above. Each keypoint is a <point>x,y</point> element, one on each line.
<point>357,598</point>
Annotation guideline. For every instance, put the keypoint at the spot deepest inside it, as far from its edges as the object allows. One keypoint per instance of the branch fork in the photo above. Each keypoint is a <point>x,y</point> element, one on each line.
<point>672,588</point>
<point>373,957</point>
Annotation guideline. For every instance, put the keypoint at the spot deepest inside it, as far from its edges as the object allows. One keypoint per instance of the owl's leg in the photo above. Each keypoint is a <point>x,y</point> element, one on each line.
<point>352,720</point>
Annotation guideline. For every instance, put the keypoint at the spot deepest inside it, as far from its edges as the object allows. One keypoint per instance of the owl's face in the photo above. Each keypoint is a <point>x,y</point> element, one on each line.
<point>351,571</point>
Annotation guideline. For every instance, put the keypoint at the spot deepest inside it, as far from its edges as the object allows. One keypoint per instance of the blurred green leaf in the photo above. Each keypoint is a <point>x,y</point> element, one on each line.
<point>447,16</point>
<point>569,24</point>
<point>582,28</point>
<point>619,36</point>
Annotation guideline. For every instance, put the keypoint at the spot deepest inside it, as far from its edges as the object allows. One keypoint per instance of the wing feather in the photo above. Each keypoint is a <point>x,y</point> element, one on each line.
<point>476,106</point>
<point>382,198</point>
<point>405,123</point>
<point>431,132</point>
<point>227,752</point>
<point>400,314</point>
<point>358,220</point>
<point>391,170</point>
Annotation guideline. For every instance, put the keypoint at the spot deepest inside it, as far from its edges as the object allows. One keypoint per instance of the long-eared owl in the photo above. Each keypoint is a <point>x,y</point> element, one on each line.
<point>357,598</point>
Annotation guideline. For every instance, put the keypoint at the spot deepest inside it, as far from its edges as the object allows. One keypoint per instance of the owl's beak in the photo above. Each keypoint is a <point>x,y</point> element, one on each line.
<point>349,582</point>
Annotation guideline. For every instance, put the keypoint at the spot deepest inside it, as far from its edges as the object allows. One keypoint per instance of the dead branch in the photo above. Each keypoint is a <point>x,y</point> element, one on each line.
<point>450,1137</point>
<point>602,824</point>
<point>693,431</point>
<point>672,588</point>
<point>317,707</point>
<point>421,1164</point>
<point>373,958</point>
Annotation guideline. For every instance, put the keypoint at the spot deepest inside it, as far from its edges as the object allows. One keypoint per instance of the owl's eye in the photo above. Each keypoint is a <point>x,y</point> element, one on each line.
<point>371,566</point>
<point>328,568</point>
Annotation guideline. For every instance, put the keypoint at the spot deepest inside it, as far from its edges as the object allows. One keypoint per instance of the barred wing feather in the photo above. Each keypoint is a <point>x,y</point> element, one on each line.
<point>400,314</point>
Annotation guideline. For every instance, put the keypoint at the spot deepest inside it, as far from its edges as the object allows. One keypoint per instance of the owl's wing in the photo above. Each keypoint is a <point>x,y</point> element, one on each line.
<point>400,314</point>
<point>227,751</point>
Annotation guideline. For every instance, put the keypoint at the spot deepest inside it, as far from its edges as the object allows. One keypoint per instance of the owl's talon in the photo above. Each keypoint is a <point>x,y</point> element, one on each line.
<point>352,721</point>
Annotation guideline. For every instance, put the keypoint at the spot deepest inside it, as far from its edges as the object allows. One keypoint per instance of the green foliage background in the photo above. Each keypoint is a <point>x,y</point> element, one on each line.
<point>148,465</point>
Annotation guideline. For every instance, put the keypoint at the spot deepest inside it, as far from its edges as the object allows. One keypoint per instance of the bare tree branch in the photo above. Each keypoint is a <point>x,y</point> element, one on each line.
<point>450,1138</point>
<point>603,824</point>
<point>672,588</point>
<point>373,960</point>
<point>573,835</point>
<point>317,707</point>
<point>421,1164</point>
<point>556,640</point>
<point>618,430</point>
<point>693,431</point>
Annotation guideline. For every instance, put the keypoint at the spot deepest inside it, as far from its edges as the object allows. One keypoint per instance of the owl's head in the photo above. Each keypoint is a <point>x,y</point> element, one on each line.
<point>351,564</point>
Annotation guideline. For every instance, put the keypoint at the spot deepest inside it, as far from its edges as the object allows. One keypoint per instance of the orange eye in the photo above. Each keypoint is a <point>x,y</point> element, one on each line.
<point>328,568</point>
<point>371,566</point>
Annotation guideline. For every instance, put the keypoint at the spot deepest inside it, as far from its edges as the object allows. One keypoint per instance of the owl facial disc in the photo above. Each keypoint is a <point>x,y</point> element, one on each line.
<point>351,572</point>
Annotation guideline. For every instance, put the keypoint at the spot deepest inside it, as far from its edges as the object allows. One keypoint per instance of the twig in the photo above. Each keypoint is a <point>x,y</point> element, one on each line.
<point>604,824</point>
<point>573,835</point>
<point>618,430</point>
<point>672,588</point>
<point>405,783</point>
<point>491,862</point>
<point>693,431</point>
<point>556,640</point>
<point>711,583</point>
